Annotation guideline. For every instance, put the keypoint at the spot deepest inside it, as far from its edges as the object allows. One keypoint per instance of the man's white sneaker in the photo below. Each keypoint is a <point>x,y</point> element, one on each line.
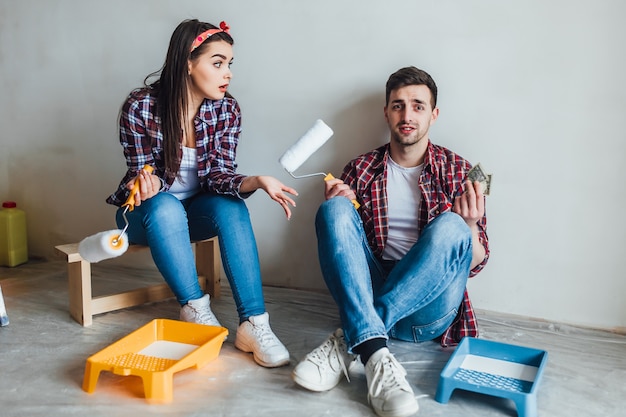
<point>256,336</point>
<point>388,391</point>
<point>199,311</point>
<point>323,368</point>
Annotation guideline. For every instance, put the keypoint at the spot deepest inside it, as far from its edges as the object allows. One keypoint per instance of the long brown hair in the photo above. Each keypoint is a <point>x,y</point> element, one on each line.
<point>172,87</point>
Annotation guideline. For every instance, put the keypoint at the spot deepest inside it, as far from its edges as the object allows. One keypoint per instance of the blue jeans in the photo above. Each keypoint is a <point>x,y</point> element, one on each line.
<point>167,225</point>
<point>414,299</point>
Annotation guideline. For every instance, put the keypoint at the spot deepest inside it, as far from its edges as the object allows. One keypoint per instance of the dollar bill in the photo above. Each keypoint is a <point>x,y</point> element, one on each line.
<point>477,173</point>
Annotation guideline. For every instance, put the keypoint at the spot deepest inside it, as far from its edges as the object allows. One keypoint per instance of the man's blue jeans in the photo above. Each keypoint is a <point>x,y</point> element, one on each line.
<point>415,299</point>
<point>167,225</point>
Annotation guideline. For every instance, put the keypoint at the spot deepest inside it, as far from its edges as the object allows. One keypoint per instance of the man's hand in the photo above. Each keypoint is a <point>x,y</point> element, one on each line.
<point>471,204</point>
<point>335,187</point>
<point>471,207</point>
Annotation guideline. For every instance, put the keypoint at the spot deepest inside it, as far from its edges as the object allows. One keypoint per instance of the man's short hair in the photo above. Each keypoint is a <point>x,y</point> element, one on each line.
<point>411,76</point>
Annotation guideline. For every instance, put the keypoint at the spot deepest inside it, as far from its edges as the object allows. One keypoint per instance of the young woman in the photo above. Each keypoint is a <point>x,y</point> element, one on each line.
<point>186,126</point>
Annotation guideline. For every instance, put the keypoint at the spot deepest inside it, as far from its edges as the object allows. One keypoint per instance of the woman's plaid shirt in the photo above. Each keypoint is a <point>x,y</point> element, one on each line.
<point>218,126</point>
<point>441,180</point>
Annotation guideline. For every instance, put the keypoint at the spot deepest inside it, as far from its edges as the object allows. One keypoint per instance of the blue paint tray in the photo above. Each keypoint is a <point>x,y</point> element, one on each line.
<point>496,369</point>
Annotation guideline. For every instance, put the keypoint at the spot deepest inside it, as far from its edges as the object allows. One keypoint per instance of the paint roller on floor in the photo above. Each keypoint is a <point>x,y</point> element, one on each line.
<point>111,243</point>
<point>300,151</point>
<point>4,318</point>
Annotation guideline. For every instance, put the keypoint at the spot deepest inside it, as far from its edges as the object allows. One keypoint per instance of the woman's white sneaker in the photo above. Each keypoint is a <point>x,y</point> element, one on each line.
<point>199,311</point>
<point>255,336</point>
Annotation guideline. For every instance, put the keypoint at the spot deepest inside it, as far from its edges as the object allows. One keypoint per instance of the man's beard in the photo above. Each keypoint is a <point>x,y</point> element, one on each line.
<point>409,140</point>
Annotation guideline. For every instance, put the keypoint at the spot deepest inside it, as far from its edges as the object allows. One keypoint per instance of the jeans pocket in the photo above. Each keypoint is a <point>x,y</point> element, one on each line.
<point>425,332</point>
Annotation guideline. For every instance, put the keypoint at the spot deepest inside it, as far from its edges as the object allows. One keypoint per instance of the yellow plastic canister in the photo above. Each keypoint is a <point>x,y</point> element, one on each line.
<point>13,245</point>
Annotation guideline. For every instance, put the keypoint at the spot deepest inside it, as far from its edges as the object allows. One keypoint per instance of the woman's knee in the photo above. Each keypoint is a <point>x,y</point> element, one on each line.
<point>223,216</point>
<point>163,208</point>
<point>220,208</point>
<point>160,214</point>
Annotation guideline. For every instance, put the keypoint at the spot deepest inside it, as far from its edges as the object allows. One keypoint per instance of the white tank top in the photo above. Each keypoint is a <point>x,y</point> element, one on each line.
<point>188,183</point>
<point>403,201</point>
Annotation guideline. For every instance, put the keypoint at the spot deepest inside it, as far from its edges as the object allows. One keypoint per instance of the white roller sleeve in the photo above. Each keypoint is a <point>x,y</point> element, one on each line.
<point>100,246</point>
<point>300,151</point>
<point>4,319</point>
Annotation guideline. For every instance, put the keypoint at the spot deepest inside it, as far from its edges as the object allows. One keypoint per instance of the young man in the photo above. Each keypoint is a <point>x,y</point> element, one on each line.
<point>398,266</point>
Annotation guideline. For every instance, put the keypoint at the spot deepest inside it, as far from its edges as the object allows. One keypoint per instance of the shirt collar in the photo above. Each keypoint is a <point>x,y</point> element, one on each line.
<point>208,109</point>
<point>430,158</point>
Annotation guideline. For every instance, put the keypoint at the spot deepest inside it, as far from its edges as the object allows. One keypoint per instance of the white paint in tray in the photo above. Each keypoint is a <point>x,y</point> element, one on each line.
<point>168,350</point>
<point>499,367</point>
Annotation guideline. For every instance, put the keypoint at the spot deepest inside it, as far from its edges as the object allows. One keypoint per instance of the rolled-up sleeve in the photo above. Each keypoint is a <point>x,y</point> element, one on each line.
<point>140,138</point>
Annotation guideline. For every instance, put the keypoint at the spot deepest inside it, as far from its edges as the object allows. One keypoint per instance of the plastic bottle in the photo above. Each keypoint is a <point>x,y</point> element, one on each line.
<point>13,246</point>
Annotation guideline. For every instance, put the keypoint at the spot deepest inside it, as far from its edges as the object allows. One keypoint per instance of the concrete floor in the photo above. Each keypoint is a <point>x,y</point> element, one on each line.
<point>43,353</point>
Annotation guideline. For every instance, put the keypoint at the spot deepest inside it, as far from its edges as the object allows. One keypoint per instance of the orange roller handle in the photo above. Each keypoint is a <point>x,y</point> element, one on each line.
<point>330,176</point>
<point>130,201</point>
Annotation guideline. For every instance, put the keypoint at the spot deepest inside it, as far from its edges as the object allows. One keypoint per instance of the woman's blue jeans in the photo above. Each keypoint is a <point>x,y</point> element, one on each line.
<point>167,226</point>
<point>414,299</point>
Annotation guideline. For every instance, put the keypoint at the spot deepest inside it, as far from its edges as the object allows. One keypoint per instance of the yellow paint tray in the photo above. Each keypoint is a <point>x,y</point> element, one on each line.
<point>155,352</point>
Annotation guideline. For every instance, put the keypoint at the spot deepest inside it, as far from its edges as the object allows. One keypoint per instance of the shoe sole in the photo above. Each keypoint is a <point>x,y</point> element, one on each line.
<point>247,349</point>
<point>311,386</point>
<point>402,412</point>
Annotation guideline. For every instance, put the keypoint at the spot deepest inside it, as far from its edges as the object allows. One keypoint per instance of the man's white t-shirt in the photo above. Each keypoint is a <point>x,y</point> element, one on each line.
<point>403,201</point>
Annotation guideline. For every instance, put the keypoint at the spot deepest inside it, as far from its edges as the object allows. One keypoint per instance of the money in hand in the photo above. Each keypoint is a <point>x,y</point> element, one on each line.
<point>477,173</point>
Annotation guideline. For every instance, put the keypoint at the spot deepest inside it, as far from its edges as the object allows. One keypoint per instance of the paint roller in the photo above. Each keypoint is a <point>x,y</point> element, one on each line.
<point>111,243</point>
<point>4,318</point>
<point>300,151</point>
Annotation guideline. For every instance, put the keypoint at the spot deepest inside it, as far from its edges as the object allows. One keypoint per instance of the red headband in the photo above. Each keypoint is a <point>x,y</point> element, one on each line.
<point>207,34</point>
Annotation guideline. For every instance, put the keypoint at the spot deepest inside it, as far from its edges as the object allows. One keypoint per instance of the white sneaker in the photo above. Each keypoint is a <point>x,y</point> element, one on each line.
<point>323,368</point>
<point>388,391</point>
<point>199,311</point>
<point>256,336</point>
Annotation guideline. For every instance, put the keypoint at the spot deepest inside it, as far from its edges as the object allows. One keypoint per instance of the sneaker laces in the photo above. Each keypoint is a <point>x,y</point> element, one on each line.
<point>321,356</point>
<point>388,374</point>
<point>204,314</point>
<point>264,335</point>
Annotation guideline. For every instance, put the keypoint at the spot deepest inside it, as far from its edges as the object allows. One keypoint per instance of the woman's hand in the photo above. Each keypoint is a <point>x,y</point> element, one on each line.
<point>149,186</point>
<point>274,188</point>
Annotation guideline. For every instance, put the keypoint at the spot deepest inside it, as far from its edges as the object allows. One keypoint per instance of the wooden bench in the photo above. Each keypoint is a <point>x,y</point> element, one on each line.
<point>83,306</point>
